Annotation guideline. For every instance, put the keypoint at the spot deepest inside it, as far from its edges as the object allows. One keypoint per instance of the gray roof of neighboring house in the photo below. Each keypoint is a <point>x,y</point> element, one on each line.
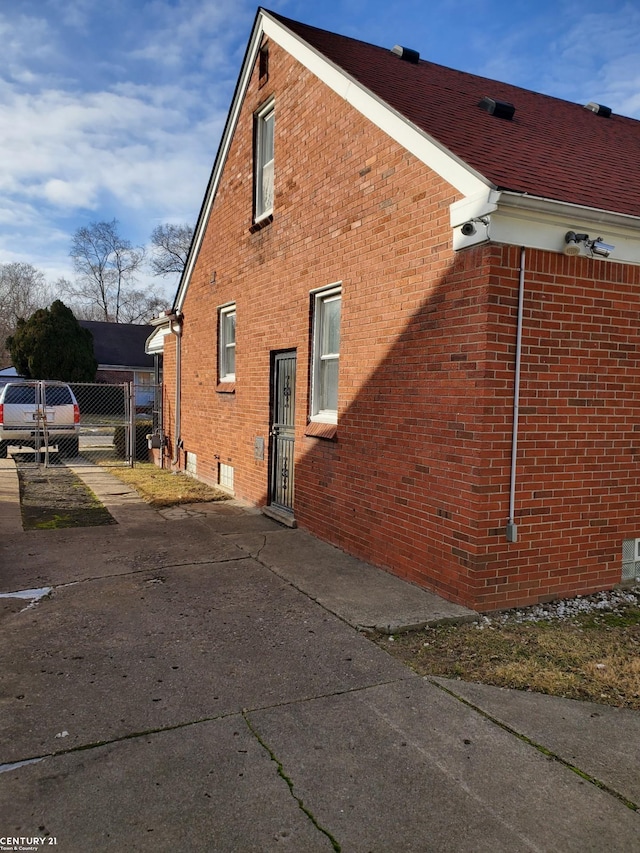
<point>120,344</point>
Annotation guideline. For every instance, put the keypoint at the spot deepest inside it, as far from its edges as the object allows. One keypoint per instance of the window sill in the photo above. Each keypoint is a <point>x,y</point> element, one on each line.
<point>316,429</point>
<point>261,223</point>
<point>226,388</point>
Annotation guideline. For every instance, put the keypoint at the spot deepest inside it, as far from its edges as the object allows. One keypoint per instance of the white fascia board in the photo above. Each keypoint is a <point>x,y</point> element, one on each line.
<point>542,224</point>
<point>471,207</point>
<point>426,149</point>
<point>120,368</point>
<point>154,344</point>
<point>412,138</point>
<point>218,168</point>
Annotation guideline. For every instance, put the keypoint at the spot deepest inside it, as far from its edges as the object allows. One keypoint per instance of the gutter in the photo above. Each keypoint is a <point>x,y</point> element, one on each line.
<point>175,327</point>
<point>512,529</point>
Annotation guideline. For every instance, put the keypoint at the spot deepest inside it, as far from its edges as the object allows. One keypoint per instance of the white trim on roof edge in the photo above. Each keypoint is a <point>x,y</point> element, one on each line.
<point>218,167</point>
<point>541,223</point>
<point>511,217</point>
<point>455,171</point>
<point>413,139</point>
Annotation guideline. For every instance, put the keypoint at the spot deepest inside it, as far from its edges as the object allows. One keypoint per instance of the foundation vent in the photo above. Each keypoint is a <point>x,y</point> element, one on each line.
<point>631,560</point>
<point>191,464</point>
<point>225,476</point>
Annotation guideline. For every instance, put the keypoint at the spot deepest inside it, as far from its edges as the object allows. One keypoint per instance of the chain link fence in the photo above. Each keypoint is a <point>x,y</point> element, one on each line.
<point>106,419</point>
<point>108,425</point>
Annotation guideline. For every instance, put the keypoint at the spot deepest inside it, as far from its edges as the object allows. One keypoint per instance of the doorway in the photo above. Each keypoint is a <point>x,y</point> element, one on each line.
<point>283,406</point>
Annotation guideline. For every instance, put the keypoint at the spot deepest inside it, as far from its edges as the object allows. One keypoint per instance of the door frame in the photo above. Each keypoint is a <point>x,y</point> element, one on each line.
<point>281,438</point>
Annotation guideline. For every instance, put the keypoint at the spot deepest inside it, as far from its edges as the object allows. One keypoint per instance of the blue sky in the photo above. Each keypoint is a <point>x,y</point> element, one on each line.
<point>114,108</point>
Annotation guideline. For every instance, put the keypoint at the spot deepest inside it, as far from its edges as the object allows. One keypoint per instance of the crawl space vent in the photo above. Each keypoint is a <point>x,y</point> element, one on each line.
<point>631,559</point>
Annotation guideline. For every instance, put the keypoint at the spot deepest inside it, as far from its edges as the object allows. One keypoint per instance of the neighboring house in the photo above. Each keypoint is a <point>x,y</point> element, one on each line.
<point>384,334</point>
<point>119,349</point>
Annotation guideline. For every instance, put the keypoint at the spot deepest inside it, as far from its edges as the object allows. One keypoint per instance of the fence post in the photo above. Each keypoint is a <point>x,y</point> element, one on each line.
<point>132,425</point>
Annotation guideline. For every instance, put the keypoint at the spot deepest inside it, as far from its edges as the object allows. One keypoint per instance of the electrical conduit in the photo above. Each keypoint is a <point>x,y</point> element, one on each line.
<point>512,530</point>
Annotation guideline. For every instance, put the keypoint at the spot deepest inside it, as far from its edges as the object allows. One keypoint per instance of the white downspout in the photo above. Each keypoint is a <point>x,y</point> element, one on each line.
<point>512,529</point>
<point>177,331</point>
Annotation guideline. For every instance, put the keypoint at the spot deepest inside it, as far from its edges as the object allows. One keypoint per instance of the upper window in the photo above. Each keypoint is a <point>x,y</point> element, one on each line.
<point>264,162</point>
<point>326,354</point>
<point>227,343</point>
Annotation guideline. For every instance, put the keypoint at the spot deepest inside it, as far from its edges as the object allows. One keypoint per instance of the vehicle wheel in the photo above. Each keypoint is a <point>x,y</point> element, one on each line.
<point>68,447</point>
<point>3,449</point>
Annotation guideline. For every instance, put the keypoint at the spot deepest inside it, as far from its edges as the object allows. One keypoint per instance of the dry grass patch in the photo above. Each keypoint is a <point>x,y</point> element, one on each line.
<point>162,488</point>
<point>591,656</point>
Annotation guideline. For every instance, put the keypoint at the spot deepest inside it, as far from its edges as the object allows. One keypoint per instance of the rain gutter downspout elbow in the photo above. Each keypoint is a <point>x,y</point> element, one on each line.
<point>175,326</point>
<point>512,529</point>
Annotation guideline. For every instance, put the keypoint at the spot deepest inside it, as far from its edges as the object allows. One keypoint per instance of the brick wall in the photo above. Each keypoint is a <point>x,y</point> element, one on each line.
<point>418,478</point>
<point>114,377</point>
<point>578,491</point>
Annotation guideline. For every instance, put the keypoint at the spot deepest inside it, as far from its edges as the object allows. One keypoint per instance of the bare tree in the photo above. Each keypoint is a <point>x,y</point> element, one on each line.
<point>170,248</point>
<point>106,266</point>
<point>23,289</point>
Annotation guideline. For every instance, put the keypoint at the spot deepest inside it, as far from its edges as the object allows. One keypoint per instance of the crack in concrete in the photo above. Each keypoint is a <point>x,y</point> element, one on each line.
<point>155,568</point>
<point>188,723</point>
<point>635,807</point>
<point>289,782</point>
<point>83,747</point>
<point>261,549</point>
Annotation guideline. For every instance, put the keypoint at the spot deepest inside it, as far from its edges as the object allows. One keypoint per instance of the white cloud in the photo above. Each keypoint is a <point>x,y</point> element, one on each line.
<point>114,110</point>
<point>69,193</point>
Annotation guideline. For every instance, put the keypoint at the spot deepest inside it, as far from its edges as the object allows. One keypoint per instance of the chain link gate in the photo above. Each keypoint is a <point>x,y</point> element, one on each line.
<point>107,426</point>
<point>107,423</point>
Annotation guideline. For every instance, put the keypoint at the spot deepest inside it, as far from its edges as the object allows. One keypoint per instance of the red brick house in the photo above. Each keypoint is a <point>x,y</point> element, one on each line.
<point>386,333</point>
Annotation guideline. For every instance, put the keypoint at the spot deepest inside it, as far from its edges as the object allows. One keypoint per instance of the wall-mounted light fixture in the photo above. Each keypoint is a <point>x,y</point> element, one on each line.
<point>599,248</point>
<point>572,241</point>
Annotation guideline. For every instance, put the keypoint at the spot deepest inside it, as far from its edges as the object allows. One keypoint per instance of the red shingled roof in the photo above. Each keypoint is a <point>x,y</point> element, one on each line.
<point>551,148</point>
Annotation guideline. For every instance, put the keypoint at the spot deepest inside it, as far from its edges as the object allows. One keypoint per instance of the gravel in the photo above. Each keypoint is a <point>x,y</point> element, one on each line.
<point>612,601</point>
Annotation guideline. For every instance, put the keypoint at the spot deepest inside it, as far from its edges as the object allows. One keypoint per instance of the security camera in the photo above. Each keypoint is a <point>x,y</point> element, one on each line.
<point>468,229</point>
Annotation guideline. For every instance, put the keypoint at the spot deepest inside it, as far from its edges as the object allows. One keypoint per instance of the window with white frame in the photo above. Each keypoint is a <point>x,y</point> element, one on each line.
<point>264,162</point>
<point>326,354</point>
<point>227,343</point>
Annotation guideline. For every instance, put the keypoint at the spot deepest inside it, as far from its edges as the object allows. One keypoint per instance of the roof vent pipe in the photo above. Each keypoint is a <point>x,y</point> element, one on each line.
<point>599,109</point>
<point>499,109</point>
<point>406,53</point>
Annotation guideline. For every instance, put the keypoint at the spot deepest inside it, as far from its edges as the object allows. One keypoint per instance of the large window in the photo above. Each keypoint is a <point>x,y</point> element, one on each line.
<point>326,354</point>
<point>264,162</point>
<point>227,343</point>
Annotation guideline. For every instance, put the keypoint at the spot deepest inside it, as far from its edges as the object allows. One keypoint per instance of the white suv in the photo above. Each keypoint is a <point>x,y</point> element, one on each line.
<point>37,415</point>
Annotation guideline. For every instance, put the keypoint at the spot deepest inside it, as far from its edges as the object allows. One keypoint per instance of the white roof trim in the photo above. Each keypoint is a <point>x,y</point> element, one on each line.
<point>221,158</point>
<point>541,223</point>
<point>155,342</point>
<point>511,217</point>
<point>425,148</point>
<point>412,138</point>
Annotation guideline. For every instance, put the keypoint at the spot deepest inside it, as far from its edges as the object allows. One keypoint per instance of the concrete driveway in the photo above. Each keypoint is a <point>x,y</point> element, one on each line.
<point>195,680</point>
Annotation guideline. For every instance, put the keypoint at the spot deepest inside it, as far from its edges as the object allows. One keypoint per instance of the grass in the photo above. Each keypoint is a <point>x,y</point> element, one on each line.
<point>55,498</point>
<point>592,656</point>
<point>162,488</point>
